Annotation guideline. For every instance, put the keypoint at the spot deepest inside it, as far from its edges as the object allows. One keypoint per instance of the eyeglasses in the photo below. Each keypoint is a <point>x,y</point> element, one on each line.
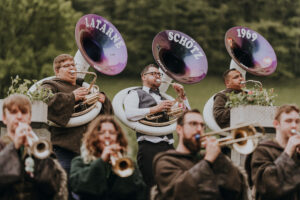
<point>154,74</point>
<point>68,65</point>
<point>109,132</point>
<point>195,124</point>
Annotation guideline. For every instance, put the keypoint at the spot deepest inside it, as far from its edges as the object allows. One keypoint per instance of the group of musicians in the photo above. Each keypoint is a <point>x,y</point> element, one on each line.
<point>80,166</point>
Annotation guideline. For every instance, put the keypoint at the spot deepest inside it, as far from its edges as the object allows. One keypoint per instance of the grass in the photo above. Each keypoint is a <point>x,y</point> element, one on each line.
<point>288,92</point>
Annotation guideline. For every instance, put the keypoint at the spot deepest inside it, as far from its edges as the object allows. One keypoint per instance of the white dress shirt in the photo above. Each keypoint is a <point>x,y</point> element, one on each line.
<point>134,113</point>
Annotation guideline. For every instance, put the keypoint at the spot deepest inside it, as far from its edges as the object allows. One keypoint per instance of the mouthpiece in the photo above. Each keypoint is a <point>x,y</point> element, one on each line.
<point>294,131</point>
<point>197,136</point>
<point>243,82</point>
<point>72,71</point>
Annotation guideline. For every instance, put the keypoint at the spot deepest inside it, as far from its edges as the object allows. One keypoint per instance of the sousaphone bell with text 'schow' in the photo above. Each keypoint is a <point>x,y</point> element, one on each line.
<point>179,57</point>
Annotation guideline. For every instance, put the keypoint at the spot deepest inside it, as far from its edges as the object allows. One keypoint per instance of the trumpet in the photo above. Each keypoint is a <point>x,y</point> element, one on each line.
<point>244,139</point>
<point>40,148</point>
<point>122,166</point>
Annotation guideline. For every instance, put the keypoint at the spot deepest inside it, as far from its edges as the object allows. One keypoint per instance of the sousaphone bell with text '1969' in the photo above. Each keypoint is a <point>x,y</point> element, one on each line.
<point>250,52</point>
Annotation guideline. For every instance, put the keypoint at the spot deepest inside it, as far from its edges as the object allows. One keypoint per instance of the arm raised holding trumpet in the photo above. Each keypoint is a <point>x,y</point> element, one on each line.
<point>42,175</point>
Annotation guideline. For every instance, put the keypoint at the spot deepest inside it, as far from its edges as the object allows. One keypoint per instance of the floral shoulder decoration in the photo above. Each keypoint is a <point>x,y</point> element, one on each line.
<point>22,87</point>
<point>251,96</point>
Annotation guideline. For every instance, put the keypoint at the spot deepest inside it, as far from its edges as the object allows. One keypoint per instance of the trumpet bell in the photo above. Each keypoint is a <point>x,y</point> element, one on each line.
<point>246,146</point>
<point>179,56</point>
<point>250,51</point>
<point>101,44</point>
<point>41,149</point>
<point>124,167</point>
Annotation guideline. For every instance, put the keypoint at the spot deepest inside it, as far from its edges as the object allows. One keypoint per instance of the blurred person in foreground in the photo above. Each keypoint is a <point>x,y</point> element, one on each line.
<point>22,175</point>
<point>274,166</point>
<point>184,173</point>
<point>92,175</point>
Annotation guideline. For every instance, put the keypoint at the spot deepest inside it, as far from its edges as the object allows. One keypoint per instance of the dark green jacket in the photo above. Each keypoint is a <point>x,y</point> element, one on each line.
<point>96,180</point>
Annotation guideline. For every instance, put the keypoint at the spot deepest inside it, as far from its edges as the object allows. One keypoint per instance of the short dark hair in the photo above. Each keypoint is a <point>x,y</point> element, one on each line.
<point>226,73</point>
<point>286,108</point>
<point>147,68</point>
<point>180,120</point>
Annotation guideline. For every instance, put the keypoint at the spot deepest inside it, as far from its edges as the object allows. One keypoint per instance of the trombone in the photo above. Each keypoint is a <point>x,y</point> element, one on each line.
<point>243,138</point>
<point>122,166</point>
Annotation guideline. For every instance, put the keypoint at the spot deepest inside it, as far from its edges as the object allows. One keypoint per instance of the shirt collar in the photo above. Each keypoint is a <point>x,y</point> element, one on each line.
<point>146,89</point>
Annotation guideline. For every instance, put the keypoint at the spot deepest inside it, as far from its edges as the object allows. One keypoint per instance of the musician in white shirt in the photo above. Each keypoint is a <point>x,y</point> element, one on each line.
<point>148,100</point>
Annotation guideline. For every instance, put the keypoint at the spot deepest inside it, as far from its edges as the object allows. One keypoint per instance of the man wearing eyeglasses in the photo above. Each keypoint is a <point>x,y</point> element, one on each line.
<point>148,100</point>
<point>185,173</point>
<point>67,92</point>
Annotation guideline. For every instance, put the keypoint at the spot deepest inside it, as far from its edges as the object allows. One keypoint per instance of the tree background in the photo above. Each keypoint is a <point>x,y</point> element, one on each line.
<point>33,32</point>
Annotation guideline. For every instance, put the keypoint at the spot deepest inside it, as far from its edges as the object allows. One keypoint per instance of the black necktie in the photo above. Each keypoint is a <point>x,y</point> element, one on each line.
<point>155,91</point>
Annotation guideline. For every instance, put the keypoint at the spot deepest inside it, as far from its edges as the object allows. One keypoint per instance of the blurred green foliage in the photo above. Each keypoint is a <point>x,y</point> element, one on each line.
<point>33,32</point>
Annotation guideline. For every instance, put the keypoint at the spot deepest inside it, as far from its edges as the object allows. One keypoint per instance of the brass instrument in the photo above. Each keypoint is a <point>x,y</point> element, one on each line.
<point>177,61</point>
<point>39,148</point>
<point>122,166</point>
<point>90,99</point>
<point>172,113</point>
<point>244,138</point>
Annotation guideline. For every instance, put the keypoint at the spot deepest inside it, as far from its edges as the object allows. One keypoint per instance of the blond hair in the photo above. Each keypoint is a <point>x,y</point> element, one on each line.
<point>20,100</point>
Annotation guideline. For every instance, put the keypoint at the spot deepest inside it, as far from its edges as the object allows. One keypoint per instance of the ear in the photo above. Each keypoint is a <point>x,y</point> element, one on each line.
<point>276,123</point>
<point>179,129</point>
<point>143,78</point>
<point>4,117</point>
<point>56,71</point>
<point>226,82</point>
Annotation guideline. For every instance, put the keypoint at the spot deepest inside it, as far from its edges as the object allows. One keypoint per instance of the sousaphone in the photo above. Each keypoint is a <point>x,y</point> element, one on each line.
<point>250,52</point>
<point>179,57</point>
<point>101,46</point>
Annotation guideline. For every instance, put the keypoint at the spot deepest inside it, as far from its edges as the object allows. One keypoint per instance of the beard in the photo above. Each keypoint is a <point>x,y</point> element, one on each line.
<point>193,147</point>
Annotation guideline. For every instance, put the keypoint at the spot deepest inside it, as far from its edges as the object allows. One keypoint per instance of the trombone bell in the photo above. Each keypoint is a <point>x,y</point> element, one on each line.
<point>244,139</point>
<point>245,146</point>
